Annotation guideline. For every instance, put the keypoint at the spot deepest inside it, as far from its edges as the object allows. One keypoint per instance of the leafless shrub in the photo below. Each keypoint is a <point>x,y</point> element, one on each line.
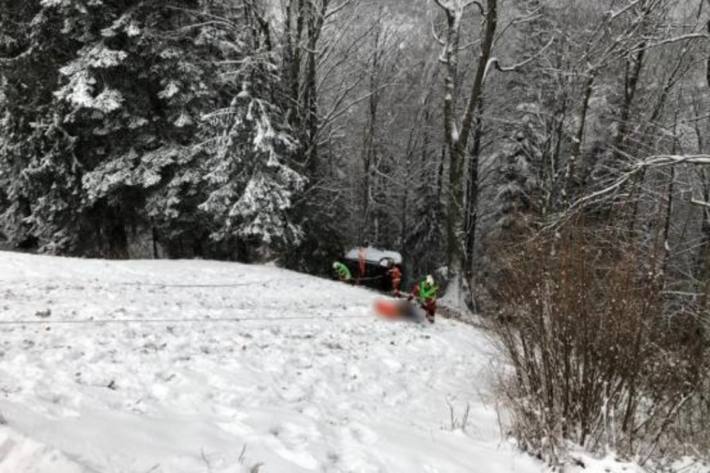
<point>595,358</point>
<point>455,422</point>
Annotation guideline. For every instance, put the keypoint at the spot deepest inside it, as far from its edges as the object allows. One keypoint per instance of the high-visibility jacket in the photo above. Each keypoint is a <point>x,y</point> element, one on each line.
<point>425,292</point>
<point>343,271</point>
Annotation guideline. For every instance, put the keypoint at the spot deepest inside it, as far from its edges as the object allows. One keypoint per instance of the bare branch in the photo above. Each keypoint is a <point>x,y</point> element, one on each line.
<point>532,16</point>
<point>613,15</point>
<point>444,6</point>
<point>437,38</point>
<point>655,162</point>
<point>672,160</point>
<point>338,8</point>
<point>678,39</point>
<point>338,110</point>
<point>700,203</point>
<point>468,45</point>
<point>522,63</point>
<point>478,4</point>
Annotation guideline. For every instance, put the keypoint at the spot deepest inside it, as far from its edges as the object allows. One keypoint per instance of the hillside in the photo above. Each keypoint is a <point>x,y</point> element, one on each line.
<point>142,367</point>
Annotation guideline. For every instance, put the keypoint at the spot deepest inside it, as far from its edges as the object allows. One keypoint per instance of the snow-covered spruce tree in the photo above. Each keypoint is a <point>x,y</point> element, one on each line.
<point>137,87</point>
<point>74,118</point>
<point>104,141</point>
<point>39,172</point>
<point>540,106</point>
<point>111,140</point>
<point>305,36</point>
<point>514,208</point>
<point>250,184</point>
<point>423,242</point>
<point>518,186</point>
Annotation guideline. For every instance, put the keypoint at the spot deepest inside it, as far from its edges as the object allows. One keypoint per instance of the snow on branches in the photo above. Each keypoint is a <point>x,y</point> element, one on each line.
<point>80,90</point>
<point>252,186</point>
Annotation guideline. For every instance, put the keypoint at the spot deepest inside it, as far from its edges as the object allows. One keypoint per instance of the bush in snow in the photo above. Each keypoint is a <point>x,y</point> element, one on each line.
<point>596,358</point>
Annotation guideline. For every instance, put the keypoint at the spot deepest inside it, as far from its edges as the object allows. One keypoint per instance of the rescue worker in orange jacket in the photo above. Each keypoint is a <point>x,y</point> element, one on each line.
<point>396,276</point>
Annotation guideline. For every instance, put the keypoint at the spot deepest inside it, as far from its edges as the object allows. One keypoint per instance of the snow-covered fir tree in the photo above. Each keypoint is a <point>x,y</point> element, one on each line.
<point>251,186</point>
<point>114,139</point>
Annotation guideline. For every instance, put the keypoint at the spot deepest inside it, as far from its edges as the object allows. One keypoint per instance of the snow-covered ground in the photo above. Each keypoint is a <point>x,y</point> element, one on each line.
<point>306,381</point>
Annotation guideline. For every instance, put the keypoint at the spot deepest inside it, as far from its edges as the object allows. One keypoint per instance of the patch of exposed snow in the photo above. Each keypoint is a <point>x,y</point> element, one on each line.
<point>53,3</point>
<point>583,462</point>
<point>454,297</point>
<point>107,101</point>
<point>132,30</point>
<point>170,90</point>
<point>183,120</point>
<point>19,454</point>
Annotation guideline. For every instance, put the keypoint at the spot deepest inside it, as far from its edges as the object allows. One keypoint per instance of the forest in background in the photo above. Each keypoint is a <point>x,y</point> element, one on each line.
<point>547,158</point>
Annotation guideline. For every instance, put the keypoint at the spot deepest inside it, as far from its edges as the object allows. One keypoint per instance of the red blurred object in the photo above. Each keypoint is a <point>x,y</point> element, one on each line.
<point>388,309</point>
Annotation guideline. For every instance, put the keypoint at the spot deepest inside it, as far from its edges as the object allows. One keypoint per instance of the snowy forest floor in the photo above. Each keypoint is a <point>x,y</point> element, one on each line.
<point>307,380</point>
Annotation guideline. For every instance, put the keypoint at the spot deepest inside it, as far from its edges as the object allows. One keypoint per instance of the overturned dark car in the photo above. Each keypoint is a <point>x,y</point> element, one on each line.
<point>369,266</point>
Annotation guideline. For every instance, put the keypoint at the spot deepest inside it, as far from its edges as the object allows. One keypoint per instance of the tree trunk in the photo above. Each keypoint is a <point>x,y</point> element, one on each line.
<point>310,95</point>
<point>571,180</point>
<point>369,137</point>
<point>303,27</point>
<point>630,87</point>
<point>457,140</point>
<point>472,194</point>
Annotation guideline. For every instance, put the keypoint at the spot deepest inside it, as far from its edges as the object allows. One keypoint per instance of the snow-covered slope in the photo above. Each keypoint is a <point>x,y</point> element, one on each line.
<point>306,381</point>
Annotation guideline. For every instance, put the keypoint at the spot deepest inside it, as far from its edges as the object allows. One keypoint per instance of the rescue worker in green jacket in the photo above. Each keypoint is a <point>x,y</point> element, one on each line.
<point>343,272</point>
<point>425,292</point>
